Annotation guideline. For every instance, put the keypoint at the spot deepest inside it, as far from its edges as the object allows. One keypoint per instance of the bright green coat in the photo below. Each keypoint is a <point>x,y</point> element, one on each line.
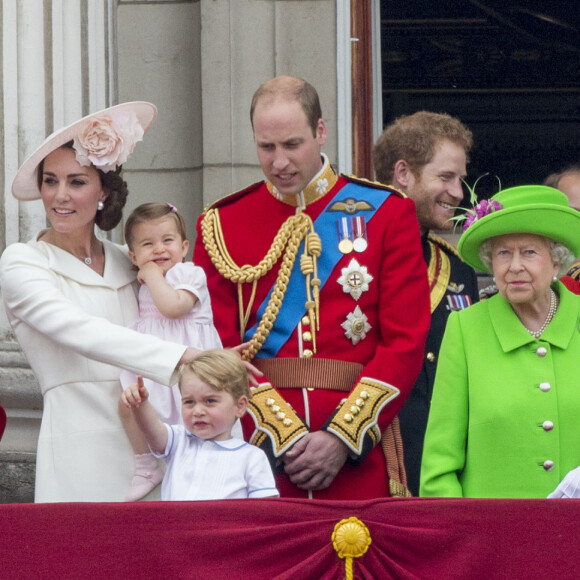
<point>487,434</point>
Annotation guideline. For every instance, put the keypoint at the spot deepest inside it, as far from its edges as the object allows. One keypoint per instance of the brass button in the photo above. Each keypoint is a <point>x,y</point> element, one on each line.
<point>364,395</point>
<point>355,410</point>
<point>307,336</point>
<point>275,408</point>
<point>280,415</point>
<point>287,422</point>
<point>306,321</point>
<point>348,418</point>
<point>307,353</point>
<point>430,357</point>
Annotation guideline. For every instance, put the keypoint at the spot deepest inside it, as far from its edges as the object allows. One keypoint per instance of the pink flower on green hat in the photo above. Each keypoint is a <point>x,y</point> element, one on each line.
<point>108,141</point>
<point>483,208</point>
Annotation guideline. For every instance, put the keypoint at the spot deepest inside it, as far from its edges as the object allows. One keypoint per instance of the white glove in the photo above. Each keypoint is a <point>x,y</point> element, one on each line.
<point>569,487</point>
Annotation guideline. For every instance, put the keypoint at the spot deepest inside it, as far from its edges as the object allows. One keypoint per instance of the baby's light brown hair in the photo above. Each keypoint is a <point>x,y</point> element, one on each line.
<point>147,212</point>
<point>221,369</point>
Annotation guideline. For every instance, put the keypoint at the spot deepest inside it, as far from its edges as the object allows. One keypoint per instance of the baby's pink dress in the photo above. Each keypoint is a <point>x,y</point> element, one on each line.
<point>195,329</point>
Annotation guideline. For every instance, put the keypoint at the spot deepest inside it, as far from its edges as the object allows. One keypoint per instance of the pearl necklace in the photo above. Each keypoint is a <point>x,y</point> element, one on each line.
<point>551,312</point>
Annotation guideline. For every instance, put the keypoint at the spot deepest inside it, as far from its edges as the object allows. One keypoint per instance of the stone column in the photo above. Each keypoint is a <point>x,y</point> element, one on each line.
<point>56,67</point>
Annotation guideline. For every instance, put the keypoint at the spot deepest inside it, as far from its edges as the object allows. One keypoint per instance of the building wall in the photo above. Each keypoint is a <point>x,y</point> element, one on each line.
<point>245,43</point>
<point>159,60</point>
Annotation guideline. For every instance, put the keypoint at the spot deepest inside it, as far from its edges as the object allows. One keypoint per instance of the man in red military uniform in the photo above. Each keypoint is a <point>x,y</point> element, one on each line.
<point>324,275</point>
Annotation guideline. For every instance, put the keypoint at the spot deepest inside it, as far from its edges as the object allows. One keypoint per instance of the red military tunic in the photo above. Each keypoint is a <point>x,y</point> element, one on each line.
<point>395,302</point>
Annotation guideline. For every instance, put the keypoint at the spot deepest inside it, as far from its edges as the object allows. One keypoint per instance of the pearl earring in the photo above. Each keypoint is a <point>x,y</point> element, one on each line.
<point>555,278</point>
<point>100,205</point>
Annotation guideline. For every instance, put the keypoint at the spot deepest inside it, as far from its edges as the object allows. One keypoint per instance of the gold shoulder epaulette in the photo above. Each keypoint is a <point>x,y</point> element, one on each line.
<point>375,184</point>
<point>231,197</point>
<point>443,243</point>
<point>358,416</point>
<point>274,417</point>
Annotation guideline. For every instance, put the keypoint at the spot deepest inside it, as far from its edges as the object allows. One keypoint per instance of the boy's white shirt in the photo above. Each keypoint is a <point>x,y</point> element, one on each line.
<point>199,469</point>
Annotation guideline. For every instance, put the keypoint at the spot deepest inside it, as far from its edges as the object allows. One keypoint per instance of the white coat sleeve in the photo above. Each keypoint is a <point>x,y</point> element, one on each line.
<point>31,296</point>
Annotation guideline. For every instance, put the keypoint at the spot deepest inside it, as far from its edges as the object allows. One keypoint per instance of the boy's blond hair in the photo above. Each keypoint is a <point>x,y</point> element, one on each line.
<point>221,369</point>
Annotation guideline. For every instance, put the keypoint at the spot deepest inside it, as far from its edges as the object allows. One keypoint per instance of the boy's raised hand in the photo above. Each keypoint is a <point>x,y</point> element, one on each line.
<point>135,394</point>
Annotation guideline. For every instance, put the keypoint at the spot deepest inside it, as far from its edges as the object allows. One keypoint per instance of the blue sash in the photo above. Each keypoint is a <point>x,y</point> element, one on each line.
<point>292,309</point>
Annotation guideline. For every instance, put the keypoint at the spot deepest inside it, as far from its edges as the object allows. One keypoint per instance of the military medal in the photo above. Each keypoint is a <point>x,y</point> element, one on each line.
<point>360,243</point>
<point>355,279</point>
<point>344,236</point>
<point>356,326</point>
<point>458,301</point>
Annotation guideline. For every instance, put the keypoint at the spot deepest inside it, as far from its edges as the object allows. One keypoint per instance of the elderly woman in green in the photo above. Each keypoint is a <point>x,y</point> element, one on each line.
<point>504,419</point>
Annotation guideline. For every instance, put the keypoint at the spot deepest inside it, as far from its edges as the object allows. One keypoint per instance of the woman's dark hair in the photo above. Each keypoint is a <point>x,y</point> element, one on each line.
<point>111,214</point>
<point>116,187</point>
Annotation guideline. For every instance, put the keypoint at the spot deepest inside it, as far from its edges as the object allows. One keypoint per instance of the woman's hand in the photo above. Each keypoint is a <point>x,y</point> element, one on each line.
<point>252,371</point>
<point>190,353</point>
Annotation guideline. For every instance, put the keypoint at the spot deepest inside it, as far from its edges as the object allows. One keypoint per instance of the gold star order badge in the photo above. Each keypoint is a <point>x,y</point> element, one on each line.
<point>355,279</point>
<point>356,326</point>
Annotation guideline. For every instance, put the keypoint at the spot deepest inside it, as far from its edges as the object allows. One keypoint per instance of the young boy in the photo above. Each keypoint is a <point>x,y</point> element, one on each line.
<point>203,461</point>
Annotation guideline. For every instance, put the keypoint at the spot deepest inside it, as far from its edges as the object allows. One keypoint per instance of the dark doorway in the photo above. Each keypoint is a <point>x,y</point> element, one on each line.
<point>509,70</point>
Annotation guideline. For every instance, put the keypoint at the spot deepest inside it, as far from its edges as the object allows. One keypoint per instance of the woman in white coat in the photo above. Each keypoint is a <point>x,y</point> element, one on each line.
<point>69,296</point>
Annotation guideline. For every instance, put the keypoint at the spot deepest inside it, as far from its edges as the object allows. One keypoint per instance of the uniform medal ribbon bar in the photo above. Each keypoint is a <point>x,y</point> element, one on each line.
<point>345,245</point>
<point>359,227</point>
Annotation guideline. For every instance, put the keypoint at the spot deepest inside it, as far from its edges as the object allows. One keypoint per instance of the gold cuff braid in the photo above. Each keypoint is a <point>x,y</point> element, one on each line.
<point>275,417</point>
<point>358,415</point>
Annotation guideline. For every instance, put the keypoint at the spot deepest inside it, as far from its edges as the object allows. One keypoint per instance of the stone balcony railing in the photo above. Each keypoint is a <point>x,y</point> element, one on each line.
<point>22,400</point>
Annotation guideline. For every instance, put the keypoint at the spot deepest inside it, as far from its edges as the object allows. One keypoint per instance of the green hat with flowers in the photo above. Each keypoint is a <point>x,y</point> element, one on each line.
<point>527,209</point>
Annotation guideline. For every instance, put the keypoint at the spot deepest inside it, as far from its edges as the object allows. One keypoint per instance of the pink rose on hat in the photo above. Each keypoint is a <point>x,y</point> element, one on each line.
<point>108,141</point>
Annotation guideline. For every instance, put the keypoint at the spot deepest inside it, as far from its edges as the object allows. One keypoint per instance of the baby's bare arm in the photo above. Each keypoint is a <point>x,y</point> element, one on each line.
<point>171,303</point>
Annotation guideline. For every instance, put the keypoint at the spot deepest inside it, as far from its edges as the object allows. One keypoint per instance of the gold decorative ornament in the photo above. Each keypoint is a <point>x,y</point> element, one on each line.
<point>353,422</point>
<point>356,326</point>
<point>275,419</point>
<point>286,244</point>
<point>350,539</point>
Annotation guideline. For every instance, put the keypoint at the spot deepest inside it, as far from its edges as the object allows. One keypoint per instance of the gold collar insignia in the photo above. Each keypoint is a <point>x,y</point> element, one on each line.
<point>317,188</point>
